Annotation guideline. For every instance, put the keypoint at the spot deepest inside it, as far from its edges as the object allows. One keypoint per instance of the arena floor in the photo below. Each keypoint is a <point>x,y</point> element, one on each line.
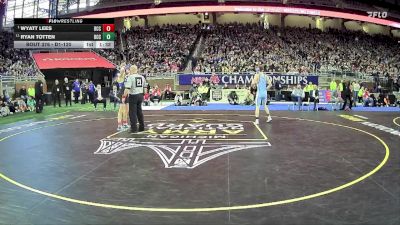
<point>202,167</point>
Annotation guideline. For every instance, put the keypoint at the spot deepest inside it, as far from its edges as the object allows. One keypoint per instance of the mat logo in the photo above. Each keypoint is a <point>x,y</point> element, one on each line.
<point>186,153</point>
<point>186,145</point>
<point>195,130</point>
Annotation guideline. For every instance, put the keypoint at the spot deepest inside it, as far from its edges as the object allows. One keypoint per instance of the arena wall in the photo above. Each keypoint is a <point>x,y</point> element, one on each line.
<point>376,29</point>
<point>176,19</point>
<point>396,33</point>
<point>274,19</point>
<point>333,23</point>
<point>162,82</point>
<point>134,22</point>
<point>353,25</point>
<point>239,17</point>
<point>299,21</point>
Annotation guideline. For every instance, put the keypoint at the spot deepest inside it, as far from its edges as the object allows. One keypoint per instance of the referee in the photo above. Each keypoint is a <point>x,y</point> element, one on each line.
<point>134,86</point>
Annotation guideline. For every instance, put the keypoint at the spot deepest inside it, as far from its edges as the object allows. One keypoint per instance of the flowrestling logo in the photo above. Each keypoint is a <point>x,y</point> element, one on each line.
<point>187,145</point>
<point>381,15</point>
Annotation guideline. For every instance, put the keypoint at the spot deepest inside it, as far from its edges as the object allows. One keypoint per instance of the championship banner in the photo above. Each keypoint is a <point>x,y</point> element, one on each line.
<point>232,79</point>
<point>221,95</point>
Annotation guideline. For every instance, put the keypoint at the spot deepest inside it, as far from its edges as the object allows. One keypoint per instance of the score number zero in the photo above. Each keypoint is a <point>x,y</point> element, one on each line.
<point>108,32</point>
<point>104,36</point>
<point>104,28</point>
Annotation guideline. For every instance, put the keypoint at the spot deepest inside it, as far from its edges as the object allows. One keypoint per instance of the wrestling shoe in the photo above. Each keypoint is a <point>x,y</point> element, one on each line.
<point>120,128</point>
<point>256,122</point>
<point>269,119</point>
<point>126,126</point>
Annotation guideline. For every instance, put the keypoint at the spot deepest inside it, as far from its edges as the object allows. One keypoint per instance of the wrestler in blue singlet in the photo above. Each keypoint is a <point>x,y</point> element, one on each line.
<point>261,89</point>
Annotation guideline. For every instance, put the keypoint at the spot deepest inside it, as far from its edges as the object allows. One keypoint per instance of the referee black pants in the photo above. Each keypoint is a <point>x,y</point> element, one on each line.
<point>135,112</point>
<point>39,103</point>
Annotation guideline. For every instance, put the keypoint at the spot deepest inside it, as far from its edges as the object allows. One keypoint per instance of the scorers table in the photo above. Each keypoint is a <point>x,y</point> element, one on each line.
<point>64,33</point>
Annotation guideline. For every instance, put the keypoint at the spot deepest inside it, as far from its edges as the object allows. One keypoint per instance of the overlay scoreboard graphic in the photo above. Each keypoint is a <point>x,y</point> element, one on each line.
<point>64,33</point>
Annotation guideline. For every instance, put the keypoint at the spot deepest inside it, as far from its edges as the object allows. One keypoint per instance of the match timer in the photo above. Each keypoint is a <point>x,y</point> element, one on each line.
<point>64,33</point>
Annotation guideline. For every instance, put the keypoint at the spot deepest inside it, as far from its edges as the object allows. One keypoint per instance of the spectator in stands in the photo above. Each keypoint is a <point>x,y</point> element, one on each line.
<point>157,49</point>
<point>338,100</point>
<point>14,62</point>
<point>31,103</point>
<point>214,86</point>
<point>193,91</point>
<point>146,98</point>
<point>67,92</point>
<point>203,91</point>
<point>206,82</point>
<point>13,106</point>
<point>6,95</point>
<point>167,94</point>
<point>383,100</point>
<point>76,88</point>
<point>234,48</point>
<point>237,87</point>
<point>56,92</point>
<point>233,98</point>
<point>4,110</point>
<point>22,107</point>
<point>31,91</point>
<point>278,89</point>
<point>390,82</point>
<point>114,96</point>
<point>225,86</point>
<point>148,88</point>
<point>333,87</point>
<point>178,99</point>
<point>249,98</point>
<point>375,75</point>
<point>100,97</point>
<point>379,88</point>
<point>23,93</point>
<point>307,88</point>
<point>298,95</point>
<point>155,94</point>
<point>84,93</point>
<point>314,96</point>
<point>360,94</point>
<point>398,83</point>
<point>356,89</point>
<point>341,88</point>
<point>197,100</point>
<point>374,100</point>
<point>366,98</point>
<point>253,90</point>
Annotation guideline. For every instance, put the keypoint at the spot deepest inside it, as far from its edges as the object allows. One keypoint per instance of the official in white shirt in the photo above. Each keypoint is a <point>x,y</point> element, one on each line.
<point>134,86</point>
